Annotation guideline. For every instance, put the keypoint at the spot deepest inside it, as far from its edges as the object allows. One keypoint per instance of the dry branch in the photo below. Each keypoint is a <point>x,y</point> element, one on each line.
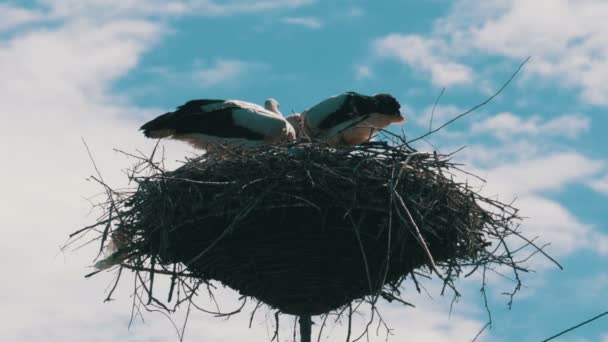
<point>306,229</point>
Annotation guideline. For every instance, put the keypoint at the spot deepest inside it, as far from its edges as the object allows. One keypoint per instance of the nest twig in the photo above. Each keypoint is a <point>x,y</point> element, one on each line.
<point>306,229</point>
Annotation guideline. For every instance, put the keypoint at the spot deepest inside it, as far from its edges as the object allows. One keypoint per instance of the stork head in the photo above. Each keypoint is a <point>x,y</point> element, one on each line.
<point>272,105</point>
<point>388,105</point>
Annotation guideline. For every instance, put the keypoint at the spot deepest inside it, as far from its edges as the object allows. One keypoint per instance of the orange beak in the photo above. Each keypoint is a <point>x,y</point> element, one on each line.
<point>397,119</point>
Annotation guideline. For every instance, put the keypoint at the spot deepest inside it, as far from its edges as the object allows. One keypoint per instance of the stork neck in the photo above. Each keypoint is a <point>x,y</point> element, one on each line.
<point>275,110</point>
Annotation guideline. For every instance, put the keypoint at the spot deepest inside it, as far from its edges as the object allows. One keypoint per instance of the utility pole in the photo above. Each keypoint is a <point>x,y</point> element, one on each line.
<point>305,328</point>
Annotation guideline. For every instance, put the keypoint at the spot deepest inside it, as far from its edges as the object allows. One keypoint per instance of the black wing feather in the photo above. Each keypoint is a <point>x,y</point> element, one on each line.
<point>355,106</point>
<point>190,118</point>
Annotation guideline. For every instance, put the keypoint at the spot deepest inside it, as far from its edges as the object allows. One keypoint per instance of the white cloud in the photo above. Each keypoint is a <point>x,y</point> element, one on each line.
<point>535,174</point>
<point>425,54</point>
<point>355,12</point>
<point>568,40</point>
<point>430,321</point>
<point>527,180</point>
<point>521,165</point>
<point>246,6</point>
<point>600,185</point>
<point>209,7</point>
<point>12,17</point>
<point>108,9</point>
<point>507,125</point>
<point>442,114</point>
<point>228,72</point>
<point>599,243</point>
<point>489,155</point>
<point>117,46</point>
<point>53,92</point>
<point>363,72</point>
<point>308,22</point>
<point>555,224</point>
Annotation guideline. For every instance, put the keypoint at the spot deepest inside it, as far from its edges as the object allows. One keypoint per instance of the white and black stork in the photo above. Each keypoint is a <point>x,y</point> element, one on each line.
<point>349,118</point>
<point>208,123</point>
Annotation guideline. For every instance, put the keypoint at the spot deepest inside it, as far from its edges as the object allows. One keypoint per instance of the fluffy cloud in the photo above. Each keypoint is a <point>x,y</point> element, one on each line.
<point>528,179</point>
<point>259,5</point>
<point>519,165</point>
<point>308,22</point>
<point>113,9</point>
<point>440,115</point>
<point>52,94</point>
<point>508,126</point>
<point>209,7</point>
<point>355,12</point>
<point>363,72</point>
<point>426,54</point>
<point>556,225</point>
<point>106,9</point>
<point>536,174</point>
<point>429,321</point>
<point>600,185</point>
<point>568,40</point>
<point>225,72</point>
<point>12,17</point>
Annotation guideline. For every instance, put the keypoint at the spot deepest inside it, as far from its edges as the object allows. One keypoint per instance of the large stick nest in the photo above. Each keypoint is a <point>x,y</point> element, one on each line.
<point>307,229</point>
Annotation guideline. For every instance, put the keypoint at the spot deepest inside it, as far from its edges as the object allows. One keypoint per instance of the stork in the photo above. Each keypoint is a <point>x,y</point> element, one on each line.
<point>350,118</point>
<point>208,123</point>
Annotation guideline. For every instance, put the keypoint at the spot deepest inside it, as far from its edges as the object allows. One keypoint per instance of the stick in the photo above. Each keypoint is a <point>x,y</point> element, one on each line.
<point>305,328</point>
<point>477,106</point>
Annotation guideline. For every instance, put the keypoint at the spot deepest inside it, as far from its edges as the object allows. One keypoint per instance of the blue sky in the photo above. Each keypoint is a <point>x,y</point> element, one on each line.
<point>97,70</point>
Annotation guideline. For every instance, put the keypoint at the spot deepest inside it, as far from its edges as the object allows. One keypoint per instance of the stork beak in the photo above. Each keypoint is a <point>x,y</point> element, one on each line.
<point>398,118</point>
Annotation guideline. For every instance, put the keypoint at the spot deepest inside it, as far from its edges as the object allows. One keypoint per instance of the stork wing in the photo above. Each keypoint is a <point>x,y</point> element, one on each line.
<point>339,109</point>
<point>220,118</point>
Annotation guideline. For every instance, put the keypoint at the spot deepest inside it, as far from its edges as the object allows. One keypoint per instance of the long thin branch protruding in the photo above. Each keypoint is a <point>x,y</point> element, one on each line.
<point>475,107</point>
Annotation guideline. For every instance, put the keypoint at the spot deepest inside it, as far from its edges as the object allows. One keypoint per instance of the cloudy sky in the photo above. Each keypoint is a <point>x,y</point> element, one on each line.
<point>97,69</point>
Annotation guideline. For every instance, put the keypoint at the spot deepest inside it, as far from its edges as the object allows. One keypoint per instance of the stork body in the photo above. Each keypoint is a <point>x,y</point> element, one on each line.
<point>296,122</point>
<point>350,118</point>
<point>208,123</point>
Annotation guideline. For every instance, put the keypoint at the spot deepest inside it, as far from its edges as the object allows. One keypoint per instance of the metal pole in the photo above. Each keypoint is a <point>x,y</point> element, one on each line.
<point>305,328</point>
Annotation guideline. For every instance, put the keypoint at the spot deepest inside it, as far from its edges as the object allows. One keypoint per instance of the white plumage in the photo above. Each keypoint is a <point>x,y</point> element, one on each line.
<point>273,106</point>
<point>296,122</point>
<point>349,118</point>
<point>208,123</point>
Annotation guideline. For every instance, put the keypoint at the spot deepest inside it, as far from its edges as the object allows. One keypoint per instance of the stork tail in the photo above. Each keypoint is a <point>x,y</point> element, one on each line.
<point>159,127</point>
